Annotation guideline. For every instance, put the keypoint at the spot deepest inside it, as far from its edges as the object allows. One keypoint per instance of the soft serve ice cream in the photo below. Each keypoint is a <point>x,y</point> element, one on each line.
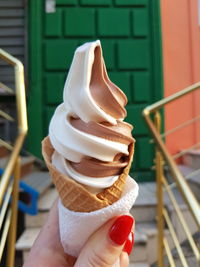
<point>89,150</point>
<point>87,130</point>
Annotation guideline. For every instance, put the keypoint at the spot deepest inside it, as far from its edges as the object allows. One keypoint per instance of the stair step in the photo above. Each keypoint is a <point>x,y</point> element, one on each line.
<point>26,164</point>
<point>144,209</point>
<point>178,226</point>
<point>193,179</point>
<point>4,152</point>
<point>139,253</point>
<point>143,233</point>
<point>47,200</point>
<point>147,194</point>
<point>140,238</point>
<point>147,228</point>
<point>38,180</point>
<point>185,170</point>
<point>44,204</point>
<point>144,213</point>
<point>139,264</point>
<point>27,239</point>
<point>36,220</point>
<point>192,158</point>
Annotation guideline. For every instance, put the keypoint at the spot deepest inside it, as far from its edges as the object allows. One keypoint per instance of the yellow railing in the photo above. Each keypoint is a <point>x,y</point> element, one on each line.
<point>10,178</point>
<point>152,115</point>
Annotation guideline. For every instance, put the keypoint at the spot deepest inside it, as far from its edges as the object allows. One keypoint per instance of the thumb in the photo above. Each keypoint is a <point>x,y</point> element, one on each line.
<point>104,247</point>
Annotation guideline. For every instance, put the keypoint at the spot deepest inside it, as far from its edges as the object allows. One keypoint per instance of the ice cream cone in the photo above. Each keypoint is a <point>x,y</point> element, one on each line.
<point>73,195</point>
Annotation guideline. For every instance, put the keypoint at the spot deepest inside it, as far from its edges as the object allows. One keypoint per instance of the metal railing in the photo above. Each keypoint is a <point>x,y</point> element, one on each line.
<point>10,177</point>
<point>152,115</point>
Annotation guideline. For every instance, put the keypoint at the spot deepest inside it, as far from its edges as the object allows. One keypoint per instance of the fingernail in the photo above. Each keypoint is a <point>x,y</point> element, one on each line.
<point>129,243</point>
<point>120,229</point>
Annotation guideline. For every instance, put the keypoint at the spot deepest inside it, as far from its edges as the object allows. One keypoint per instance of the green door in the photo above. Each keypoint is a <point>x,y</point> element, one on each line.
<point>129,31</point>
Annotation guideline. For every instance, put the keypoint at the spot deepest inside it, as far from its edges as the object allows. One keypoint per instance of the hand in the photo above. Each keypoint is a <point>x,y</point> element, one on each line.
<point>110,243</point>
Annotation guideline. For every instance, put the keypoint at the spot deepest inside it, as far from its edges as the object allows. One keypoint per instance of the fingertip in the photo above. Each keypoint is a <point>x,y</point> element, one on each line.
<point>129,244</point>
<point>124,259</point>
<point>121,229</point>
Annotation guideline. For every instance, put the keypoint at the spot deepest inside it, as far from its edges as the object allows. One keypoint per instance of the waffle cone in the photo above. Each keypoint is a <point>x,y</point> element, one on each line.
<point>73,195</point>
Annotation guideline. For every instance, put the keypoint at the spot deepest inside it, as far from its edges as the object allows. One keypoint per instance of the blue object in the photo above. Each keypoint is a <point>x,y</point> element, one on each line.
<point>31,208</point>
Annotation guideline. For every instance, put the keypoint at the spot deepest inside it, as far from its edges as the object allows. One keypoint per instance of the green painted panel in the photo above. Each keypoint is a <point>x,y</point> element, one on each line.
<point>129,31</point>
<point>140,22</point>
<point>59,53</point>
<point>122,79</point>
<point>133,54</point>
<point>96,2</point>
<point>79,22</point>
<point>54,88</point>
<point>108,47</point>
<point>143,176</point>
<point>53,24</point>
<point>48,115</point>
<point>131,2</point>
<point>114,22</point>
<point>141,87</point>
<point>35,93</point>
<point>145,151</point>
<point>135,118</point>
<point>66,2</point>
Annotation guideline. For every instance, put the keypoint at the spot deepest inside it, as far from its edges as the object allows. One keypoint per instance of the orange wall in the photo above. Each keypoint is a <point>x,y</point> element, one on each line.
<point>181,64</point>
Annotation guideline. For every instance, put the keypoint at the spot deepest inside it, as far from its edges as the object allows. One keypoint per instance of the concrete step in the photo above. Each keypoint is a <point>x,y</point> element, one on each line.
<point>26,240</point>
<point>192,159</point>
<point>145,248</point>
<point>47,200</point>
<point>139,264</point>
<point>4,152</point>
<point>36,220</point>
<point>193,178</point>
<point>177,224</point>
<point>145,238</point>
<point>139,252</point>
<point>44,205</point>
<point>194,182</point>
<point>38,180</point>
<point>144,209</point>
<point>26,164</point>
<point>185,212</point>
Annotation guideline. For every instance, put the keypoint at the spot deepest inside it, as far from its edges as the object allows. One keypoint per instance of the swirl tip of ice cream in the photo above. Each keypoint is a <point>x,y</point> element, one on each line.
<point>87,131</point>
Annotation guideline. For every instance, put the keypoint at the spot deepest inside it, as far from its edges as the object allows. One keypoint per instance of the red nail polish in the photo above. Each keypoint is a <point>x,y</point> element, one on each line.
<point>129,243</point>
<point>120,229</point>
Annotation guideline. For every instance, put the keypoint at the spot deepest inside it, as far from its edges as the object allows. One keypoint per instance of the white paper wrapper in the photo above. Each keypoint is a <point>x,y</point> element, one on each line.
<point>76,227</point>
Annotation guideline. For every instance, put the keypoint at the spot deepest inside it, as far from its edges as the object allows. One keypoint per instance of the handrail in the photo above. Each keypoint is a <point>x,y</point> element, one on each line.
<point>183,186</point>
<point>20,89</point>
<point>159,104</point>
<point>13,162</point>
<point>163,155</point>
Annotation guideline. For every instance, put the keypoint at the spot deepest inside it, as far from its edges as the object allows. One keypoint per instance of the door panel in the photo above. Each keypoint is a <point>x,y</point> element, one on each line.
<point>130,35</point>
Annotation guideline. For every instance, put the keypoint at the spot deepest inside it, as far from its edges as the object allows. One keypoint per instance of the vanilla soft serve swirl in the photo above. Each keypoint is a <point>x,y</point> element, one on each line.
<point>87,131</point>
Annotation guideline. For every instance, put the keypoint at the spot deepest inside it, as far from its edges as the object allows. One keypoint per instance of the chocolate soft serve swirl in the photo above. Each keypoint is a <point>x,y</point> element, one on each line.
<point>87,131</point>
